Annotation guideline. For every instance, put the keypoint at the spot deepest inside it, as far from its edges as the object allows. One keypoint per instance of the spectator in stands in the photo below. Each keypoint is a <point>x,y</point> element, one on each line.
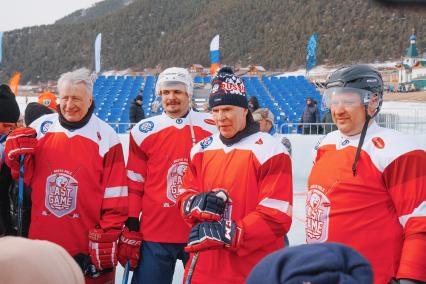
<point>326,119</point>
<point>310,115</point>
<point>265,118</point>
<point>9,115</point>
<point>253,104</point>
<point>136,113</point>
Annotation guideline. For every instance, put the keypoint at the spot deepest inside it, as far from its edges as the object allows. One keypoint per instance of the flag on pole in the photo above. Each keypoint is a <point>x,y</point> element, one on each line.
<point>98,43</point>
<point>214,55</point>
<point>1,45</point>
<point>311,50</point>
<point>14,82</point>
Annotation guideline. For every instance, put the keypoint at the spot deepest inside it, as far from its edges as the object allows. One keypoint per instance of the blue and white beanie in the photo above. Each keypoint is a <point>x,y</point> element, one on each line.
<point>227,89</point>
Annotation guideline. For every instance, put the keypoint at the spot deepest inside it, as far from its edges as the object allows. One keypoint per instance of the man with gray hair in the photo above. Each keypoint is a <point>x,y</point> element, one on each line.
<point>75,166</point>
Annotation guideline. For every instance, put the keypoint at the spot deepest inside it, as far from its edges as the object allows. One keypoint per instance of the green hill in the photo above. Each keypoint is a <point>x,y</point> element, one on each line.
<point>146,33</point>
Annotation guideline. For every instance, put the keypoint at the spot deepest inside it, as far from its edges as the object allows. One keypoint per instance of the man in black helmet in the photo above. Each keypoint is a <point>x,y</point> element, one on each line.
<point>360,190</point>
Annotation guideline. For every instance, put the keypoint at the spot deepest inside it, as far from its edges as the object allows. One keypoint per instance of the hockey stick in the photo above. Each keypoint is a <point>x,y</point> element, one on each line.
<point>20,193</point>
<point>126,273</point>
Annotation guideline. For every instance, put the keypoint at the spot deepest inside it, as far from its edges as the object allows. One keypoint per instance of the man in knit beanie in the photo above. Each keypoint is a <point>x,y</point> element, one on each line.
<point>9,109</point>
<point>317,264</point>
<point>240,164</point>
<point>9,115</point>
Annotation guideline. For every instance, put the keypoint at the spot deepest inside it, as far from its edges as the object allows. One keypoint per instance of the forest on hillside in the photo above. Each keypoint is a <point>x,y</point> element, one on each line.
<point>148,33</point>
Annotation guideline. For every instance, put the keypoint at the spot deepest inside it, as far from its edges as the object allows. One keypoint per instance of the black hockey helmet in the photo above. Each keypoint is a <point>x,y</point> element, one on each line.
<point>361,79</point>
<point>354,85</point>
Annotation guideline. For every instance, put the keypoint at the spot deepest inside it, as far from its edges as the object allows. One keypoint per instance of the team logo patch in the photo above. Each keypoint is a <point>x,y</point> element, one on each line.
<point>44,127</point>
<point>317,215</point>
<point>345,142</point>
<point>175,178</point>
<point>378,142</point>
<point>259,142</point>
<point>179,121</point>
<point>99,135</point>
<point>209,121</point>
<point>206,142</point>
<point>61,194</point>
<point>146,126</point>
<point>46,102</point>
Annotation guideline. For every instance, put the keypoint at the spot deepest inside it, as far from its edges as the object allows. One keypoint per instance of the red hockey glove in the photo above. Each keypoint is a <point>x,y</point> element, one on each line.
<point>103,248</point>
<point>129,248</point>
<point>205,206</point>
<point>214,235</point>
<point>20,141</point>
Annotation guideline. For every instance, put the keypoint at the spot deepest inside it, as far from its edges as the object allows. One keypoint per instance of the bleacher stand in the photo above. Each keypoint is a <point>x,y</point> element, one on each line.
<point>284,96</point>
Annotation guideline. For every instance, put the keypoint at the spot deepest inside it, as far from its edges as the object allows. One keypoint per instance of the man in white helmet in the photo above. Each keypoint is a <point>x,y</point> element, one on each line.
<point>159,152</point>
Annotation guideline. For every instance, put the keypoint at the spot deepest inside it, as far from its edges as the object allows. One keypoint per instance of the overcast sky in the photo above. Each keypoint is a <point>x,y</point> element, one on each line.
<point>17,14</point>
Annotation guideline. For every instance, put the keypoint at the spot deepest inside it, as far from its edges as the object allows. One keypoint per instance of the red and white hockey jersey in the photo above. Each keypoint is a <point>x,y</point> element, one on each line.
<point>159,152</point>
<point>256,172</point>
<point>78,181</point>
<point>380,212</point>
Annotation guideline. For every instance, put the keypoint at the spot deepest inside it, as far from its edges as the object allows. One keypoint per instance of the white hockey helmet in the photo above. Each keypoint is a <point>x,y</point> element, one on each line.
<point>172,76</point>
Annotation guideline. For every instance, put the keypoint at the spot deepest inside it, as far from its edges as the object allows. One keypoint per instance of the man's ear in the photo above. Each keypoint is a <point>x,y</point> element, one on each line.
<point>372,105</point>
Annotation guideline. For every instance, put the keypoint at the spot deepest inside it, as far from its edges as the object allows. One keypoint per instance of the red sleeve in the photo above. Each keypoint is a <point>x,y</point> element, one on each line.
<point>272,217</point>
<point>136,174</point>
<point>115,204</point>
<point>405,178</point>
<point>190,185</point>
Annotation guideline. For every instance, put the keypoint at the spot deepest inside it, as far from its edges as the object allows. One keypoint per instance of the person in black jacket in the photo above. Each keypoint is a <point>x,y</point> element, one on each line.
<point>136,113</point>
<point>9,115</point>
<point>310,115</point>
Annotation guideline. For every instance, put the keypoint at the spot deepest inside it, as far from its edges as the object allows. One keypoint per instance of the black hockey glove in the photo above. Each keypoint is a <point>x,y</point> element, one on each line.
<point>205,206</point>
<point>214,235</point>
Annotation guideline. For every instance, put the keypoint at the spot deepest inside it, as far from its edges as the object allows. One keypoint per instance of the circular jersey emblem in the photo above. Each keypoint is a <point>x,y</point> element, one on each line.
<point>206,142</point>
<point>179,120</point>
<point>146,126</point>
<point>44,127</point>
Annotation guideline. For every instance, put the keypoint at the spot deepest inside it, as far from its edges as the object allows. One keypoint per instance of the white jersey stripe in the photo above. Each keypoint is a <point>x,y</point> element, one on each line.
<point>419,211</point>
<point>118,191</point>
<point>135,176</point>
<point>279,205</point>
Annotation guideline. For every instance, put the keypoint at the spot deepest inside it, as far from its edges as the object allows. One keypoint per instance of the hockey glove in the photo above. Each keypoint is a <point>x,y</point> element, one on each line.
<point>19,142</point>
<point>205,206</point>
<point>129,248</point>
<point>214,235</point>
<point>103,248</point>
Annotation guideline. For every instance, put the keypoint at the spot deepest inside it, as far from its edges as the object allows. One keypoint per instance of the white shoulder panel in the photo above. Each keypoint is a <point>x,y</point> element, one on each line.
<point>386,145</point>
<point>263,145</point>
<point>148,126</point>
<point>96,130</point>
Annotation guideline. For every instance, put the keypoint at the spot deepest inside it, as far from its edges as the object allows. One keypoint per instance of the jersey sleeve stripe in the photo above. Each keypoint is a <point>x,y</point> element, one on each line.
<point>420,211</point>
<point>135,176</point>
<point>280,205</point>
<point>117,191</point>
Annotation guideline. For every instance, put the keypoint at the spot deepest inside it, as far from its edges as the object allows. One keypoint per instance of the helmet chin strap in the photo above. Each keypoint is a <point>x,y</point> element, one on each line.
<point>361,139</point>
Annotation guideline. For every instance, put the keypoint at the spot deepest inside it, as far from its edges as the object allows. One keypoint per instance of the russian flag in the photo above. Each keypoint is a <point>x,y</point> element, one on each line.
<point>214,55</point>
